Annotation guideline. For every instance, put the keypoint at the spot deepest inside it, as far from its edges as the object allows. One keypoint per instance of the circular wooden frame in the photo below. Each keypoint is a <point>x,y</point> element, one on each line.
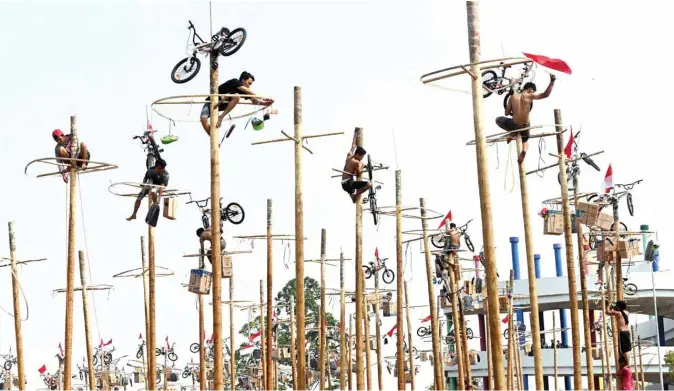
<point>503,136</point>
<point>190,100</point>
<point>167,192</point>
<point>384,210</point>
<point>99,287</point>
<point>124,273</point>
<point>464,68</point>
<point>64,162</point>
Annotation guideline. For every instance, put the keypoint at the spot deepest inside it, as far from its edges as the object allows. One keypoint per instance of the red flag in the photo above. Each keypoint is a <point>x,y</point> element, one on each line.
<point>426,319</point>
<point>210,339</point>
<point>448,217</point>
<point>607,185</point>
<point>140,336</point>
<point>61,350</point>
<point>376,253</point>
<point>568,150</point>
<point>100,345</point>
<point>167,343</point>
<point>505,320</point>
<point>108,343</point>
<point>42,369</point>
<point>254,336</point>
<point>552,63</point>
<point>390,332</point>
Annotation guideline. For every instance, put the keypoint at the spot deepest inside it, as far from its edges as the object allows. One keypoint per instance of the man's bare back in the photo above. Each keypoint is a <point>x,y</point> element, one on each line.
<point>352,166</point>
<point>521,107</point>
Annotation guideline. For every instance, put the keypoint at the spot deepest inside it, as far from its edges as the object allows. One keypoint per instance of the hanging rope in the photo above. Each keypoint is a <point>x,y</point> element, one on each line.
<point>541,162</point>
<point>24,298</point>
<point>286,255</point>
<point>509,167</point>
<point>408,255</point>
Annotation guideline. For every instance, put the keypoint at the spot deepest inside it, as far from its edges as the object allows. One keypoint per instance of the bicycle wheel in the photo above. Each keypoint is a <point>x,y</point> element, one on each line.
<point>505,333</point>
<point>158,352</point>
<point>368,272</point>
<point>8,365</point>
<point>623,227</point>
<point>150,161</point>
<point>194,348</point>
<point>469,243</point>
<point>609,331</point>
<point>592,242</point>
<point>185,70</point>
<point>438,240</point>
<point>630,205</point>
<point>630,289</point>
<point>522,328</point>
<point>234,42</point>
<point>374,210</point>
<point>205,221</point>
<point>469,333</point>
<point>489,80</point>
<point>107,358</point>
<point>415,352</point>
<point>81,375</point>
<point>422,331</point>
<point>139,354</point>
<point>172,356</point>
<point>185,374</point>
<point>234,213</point>
<point>95,359</point>
<point>388,276</point>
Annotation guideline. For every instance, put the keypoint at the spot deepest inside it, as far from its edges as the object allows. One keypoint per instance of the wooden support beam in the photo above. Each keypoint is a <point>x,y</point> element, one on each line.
<point>358,266</point>
<point>87,329</point>
<point>342,327</point>
<point>146,298</point>
<point>366,336</point>
<point>568,161</point>
<point>270,286</point>
<point>377,332</point>
<point>70,268</point>
<point>264,364</point>
<point>399,282</point>
<point>17,307</point>
<point>293,352</point>
<point>458,348</point>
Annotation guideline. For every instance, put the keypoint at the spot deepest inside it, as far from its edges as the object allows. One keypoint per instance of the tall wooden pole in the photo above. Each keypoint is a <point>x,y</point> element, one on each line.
<point>358,266</point>
<point>218,362</point>
<point>438,366</point>
<point>17,307</point>
<point>409,334</point>
<point>348,356</point>
<point>641,365</point>
<point>531,273</point>
<point>293,353</point>
<point>587,332</point>
<point>299,246</point>
<point>151,336</point>
<point>605,338</point>
<point>464,343</point>
<point>321,323</point>
<point>70,275</point>
<point>232,364</point>
<point>400,362</point>
<point>146,298</point>
<point>614,325</point>
<point>554,346</point>
<point>342,326</point>
<point>377,332</point>
<point>490,377</point>
<point>458,349</point>
<point>266,365</point>
<point>570,266</point>
<point>366,337</point>
<point>270,286</point>
<point>87,330</point>
<point>202,347</point>
<point>485,197</point>
<point>511,327</point>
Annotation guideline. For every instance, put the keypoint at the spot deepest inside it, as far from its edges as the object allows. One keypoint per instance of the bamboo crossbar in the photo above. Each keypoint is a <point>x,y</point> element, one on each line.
<point>622,233</point>
<point>92,166</point>
<point>558,200</point>
<point>499,62</point>
<point>504,136</point>
<point>566,161</point>
<point>21,262</point>
<point>100,287</point>
<point>123,274</point>
<point>274,237</point>
<point>222,253</point>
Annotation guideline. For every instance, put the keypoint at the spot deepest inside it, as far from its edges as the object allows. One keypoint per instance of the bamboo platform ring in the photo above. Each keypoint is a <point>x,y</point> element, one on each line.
<point>92,166</point>
<point>391,211</point>
<point>99,287</point>
<point>273,237</point>
<point>465,68</point>
<point>503,136</point>
<point>127,273</point>
<point>167,192</point>
<point>192,100</point>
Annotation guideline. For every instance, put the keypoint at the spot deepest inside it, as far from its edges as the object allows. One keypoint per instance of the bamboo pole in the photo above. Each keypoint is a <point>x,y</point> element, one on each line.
<point>614,325</point>
<point>518,357</point>
<point>321,323</point>
<point>490,373</point>
<point>531,273</point>
<point>358,266</point>
<point>458,348</point>
<point>348,355</point>
<point>266,373</point>
<point>299,244</point>
<point>570,266</point>
<point>232,364</point>
<point>438,369</point>
<point>464,342</point>
<point>409,336</point>
<point>511,325</point>
<point>583,289</point>
<point>606,351</point>
<point>603,364</point>
<point>70,274</point>
<point>342,325</point>
<point>641,365</point>
<point>17,307</point>
<point>634,358</point>
<point>87,330</point>
<point>554,347</point>
<point>202,347</point>
<point>146,298</point>
<point>485,197</point>
<point>377,332</point>
<point>270,286</point>
<point>366,335</point>
<point>151,337</point>
<point>399,283</point>
<point>293,353</point>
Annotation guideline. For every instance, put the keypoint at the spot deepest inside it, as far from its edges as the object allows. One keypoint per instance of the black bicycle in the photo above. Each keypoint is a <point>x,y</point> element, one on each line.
<point>107,356</point>
<point>149,146</point>
<point>492,82</point>
<point>521,328</point>
<point>615,196</point>
<point>630,289</point>
<point>406,350</point>
<point>441,239</point>
<point>9,360</point>
<point>388,275</point>
<point>170,353</point>
<point>233,212</point>
<point>139,352</point>
<point>372,196</point>
<point>224,42</point>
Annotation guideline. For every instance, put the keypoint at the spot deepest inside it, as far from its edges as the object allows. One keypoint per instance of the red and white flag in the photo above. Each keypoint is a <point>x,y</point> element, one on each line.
<point>607,185</point>
<point>426,319</point>
<point>448,217</point>
<point>100,345</point>
<point>168,347</point>
<point>505,320</point>
<point>210,340</point>
<point>247,349</point>
<point>254,336</point>
<point>568,150</point>
<point>61,350</point>
<point>393,329</point>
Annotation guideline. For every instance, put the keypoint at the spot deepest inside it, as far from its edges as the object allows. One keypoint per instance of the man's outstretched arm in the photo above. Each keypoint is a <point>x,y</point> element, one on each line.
<point>548,90</point>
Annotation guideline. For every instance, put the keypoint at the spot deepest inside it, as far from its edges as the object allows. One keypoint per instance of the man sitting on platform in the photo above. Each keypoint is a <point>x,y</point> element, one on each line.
<point>353,167</point>
<point>205,235</point>
<point>519,107</point>
<point>156,175</point>
<point>63,149</point>
<point>234,86</point>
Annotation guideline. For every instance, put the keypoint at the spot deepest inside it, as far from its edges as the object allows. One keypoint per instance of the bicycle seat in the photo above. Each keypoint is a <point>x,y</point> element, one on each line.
<point>625,279</point>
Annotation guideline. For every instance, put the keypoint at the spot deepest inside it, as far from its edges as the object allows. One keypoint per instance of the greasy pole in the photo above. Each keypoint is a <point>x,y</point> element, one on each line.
<point>570,265</point>
<point>321,322</point>
<point>377,333</point>
<point>342,325</point>
<point>265,365</point>
<point>409,334</point>
<point>400,362</point>
<point>270,287</point>
<point>87,329</point>
<point>485,197</point>
<point>146,296</point>
<point>358,265</point>
<point>17,307</point>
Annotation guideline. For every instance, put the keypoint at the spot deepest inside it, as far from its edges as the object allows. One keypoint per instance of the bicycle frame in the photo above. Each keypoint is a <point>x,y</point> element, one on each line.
<point>511,81</point>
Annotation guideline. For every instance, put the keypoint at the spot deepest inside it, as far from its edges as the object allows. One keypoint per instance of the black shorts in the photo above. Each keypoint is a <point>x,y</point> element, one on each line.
<point>350,185</point>
<point>625,344</point>
<point>507,124</point>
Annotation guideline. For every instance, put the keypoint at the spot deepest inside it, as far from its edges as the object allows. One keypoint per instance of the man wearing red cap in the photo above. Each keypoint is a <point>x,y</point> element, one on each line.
<point>63,149</point>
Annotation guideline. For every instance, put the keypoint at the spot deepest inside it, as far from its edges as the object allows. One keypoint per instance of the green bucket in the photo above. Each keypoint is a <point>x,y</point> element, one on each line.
<point>258,124</point>
<point>169,139</point>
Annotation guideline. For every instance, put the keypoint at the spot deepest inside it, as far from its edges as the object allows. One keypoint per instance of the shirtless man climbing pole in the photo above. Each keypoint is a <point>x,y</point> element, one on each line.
<point>63,149</point>
<point>618,310</point>
<point>354,167</point>
<point>234,86</point>
<point>205,236</point>
<point>519,108</point>
<point>156,175</point>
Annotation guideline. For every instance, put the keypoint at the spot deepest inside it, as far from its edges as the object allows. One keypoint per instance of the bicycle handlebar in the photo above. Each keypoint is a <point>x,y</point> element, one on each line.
<point>191,26</point>
<point>628,186</point>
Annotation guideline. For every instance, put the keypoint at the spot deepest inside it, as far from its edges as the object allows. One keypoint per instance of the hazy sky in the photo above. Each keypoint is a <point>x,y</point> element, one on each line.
<point>358,64</point>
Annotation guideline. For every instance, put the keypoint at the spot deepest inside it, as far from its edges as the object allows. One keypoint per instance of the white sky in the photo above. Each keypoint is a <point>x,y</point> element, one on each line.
<point>358,64</point>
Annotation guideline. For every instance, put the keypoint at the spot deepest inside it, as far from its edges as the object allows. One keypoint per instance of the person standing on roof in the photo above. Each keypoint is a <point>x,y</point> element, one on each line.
<point>233,86</point>
<point>519,108</point>
<point>156,175</point>
<point>63,151</point>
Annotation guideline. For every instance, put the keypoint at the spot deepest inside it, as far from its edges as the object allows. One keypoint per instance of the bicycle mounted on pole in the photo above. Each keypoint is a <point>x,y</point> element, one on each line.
<point>151,147</point>
<point>441,240</point>
<point>233,212</point>
<point>372,196</point>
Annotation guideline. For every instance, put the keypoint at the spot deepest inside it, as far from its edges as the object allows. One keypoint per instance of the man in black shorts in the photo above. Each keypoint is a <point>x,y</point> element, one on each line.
<point>156,175</point>
<point>618,310</point>
<point>233,86</point>
<point>353,167</point>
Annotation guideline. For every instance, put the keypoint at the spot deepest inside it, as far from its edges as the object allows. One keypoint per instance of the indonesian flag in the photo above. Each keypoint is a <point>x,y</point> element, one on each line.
<point>255,336</point>
<point>140,336</point>
<point>210,339</point>
<point>426,319</point>
<point>168,347</point>
<point>393,329</point>
<point>505,320</point>
<point>568,150</point>
<point>246,349</point>
<point>42,369</point>
<point>61,350</point>
<point>607,185</point>
<point>274,317</point>
<point>149,126</point>
<point>552,63</point>
<point>448,217</point>
<point>104,344</point>
<point>376,253</point>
